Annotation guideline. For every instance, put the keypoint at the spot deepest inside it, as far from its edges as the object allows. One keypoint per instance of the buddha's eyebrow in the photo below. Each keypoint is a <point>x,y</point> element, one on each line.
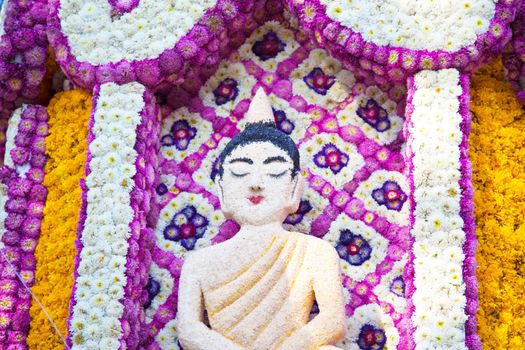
<point>241,160</point>
<point>274,159</point>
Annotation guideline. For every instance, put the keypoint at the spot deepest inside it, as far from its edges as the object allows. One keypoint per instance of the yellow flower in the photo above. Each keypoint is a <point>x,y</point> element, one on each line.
<point>66,148</point>
<point>497,150</point>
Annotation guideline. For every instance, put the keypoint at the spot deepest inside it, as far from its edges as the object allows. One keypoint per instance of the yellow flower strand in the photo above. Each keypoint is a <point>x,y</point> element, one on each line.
<point>66,149</point>
<point>497,151</point>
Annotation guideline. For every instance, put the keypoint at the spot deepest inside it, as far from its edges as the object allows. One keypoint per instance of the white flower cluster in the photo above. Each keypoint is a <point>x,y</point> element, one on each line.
<point>312,147</point>
<point>243,84</point>
<point>285,36</point>
<point>203,133</point>
<point>384,289</point>
<point>145,32</point>
<point>167,336</point>
<point>203,175</point>
<point>349,115</point>
<point>331,67</point>
<point>376,180</point>
<point>378,243</point>
<point>371,315</point>
<point>439,298</point>
<point>300,120</point>
<point>95,323</point>
<point>203,207</point>
<point>414,24</point>
<point>164,278</point>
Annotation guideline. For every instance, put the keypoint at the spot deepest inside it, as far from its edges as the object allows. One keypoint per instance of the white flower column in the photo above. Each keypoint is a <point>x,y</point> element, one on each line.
<point>113,238</point>
<point>441,284</point>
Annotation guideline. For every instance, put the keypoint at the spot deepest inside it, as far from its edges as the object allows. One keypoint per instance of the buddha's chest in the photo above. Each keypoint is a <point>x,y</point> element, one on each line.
<point>271,286</point>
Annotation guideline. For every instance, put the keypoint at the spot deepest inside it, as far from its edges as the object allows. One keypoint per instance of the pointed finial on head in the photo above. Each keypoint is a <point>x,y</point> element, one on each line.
<point>260,110</point>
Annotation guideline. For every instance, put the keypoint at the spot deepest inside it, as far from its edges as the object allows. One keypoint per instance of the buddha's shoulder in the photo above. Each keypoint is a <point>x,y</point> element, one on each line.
<point>214,253</point>
<point>313,242</point>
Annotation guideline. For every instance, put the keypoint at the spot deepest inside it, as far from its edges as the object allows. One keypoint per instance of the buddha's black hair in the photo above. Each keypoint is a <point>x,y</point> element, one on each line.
<point>261,132</point>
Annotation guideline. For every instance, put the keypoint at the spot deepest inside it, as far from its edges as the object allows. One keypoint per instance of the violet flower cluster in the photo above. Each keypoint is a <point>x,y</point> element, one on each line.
<point>514,54</point>
<point>23,52</point>
<point>23,202</point>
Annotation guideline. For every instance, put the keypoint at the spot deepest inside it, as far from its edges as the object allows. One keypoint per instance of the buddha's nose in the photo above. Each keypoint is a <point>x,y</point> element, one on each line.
<point>256,188</point>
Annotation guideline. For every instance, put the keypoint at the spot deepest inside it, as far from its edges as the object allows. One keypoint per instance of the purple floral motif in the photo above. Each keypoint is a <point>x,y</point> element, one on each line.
<point>331,157</point>
<point>153,288</point>
<point>371,338</point>
<point>284,124</point>
<point>226,91</point>
<point>390,195</point>
<point>375,115</point>
<point>318,81</point>
<point>398,286</point>
<point>353,248</point>
<point>181,135</point>
<point>268,47</point>
<point>161,189</point>
<point>186,227</point>
<point>297,217</point>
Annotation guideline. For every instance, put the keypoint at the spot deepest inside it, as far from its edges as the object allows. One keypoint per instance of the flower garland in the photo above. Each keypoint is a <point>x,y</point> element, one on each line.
<point>101,41</point>
<point>21,180</point>
<point>497,146</point>
<point>23,51</point>
<point>66,148</point>
<point>394,52</point>
<point>441,282</point>
<point>112,261</point>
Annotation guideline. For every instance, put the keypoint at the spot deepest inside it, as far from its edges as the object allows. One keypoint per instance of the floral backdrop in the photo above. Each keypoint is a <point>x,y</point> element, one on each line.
<point>351,152</point>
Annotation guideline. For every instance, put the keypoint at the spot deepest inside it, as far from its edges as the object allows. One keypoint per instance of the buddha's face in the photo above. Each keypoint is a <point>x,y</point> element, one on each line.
<point>257,186</point>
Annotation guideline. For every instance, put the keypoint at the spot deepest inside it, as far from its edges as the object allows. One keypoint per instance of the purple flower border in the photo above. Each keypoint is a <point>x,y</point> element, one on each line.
<point>176,71</point>
<point>26,197</point>
<point>374,59</point>
<point>141,241</point>
<point>23,55</point>
<point>514,54</point>
<point>472,339</point>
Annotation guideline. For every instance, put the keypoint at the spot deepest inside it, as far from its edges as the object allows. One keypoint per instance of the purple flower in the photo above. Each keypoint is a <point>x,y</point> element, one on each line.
<point>153,288</point>
<point>398,286</point>
<point>13,221</point>
<point>170,61</point>
<point>331,157</point>
<point>19,187</point>
<point>181,135</point>
<point>268,47</point>
<point>35,209</point>
<point>371,338</point>
<point>390,195</point>
<point>31,226</point>
<point>26,125</point>
<point>161,189</point>
<point>226,91</point>
<point>318,81</point>
<point>284,124</point>
<point>16,205</point>
<point>297,217</point>
<point>186,227</point>
<point>35,56</point>
<point>6,302</point>
<point>353,248</point>
<point>375,115</point>
<point>23,139</point>
<point>20,155</point>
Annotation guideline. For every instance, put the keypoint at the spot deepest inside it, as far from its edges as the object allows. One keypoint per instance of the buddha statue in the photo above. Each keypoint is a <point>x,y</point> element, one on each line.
<point>256,290</point>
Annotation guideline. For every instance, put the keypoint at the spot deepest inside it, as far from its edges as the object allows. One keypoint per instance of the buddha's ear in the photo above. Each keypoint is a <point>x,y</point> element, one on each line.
<point>298,183</point>
<point>224,207</point>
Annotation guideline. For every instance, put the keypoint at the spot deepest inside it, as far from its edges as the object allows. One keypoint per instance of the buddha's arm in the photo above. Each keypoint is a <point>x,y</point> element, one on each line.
<point>329,325</point>
<point>193,333</point>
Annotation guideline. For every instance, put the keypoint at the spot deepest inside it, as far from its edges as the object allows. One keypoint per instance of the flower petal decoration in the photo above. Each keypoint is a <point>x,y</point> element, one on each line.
<point>23,198</point>
<point>443,309</point>
<point>113,257</point>
<point>391,41</point>
<point>159,44</point>
<point>23,52</point>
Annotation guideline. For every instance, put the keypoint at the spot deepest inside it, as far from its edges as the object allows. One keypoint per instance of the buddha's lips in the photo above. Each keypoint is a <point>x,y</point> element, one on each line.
<point>255,199</point>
